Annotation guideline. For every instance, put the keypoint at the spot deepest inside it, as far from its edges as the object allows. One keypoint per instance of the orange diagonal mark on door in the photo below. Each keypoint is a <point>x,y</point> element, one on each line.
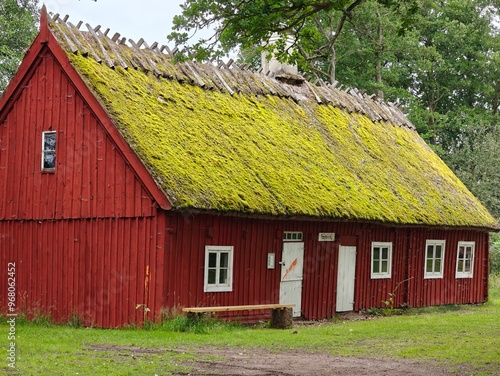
<point>290,268</point>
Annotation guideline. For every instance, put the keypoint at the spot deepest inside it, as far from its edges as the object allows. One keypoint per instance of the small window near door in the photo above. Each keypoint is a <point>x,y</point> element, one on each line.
<point>49,151</point>
<point>218,268</point>
<point>292,236</point>
<point>381,260</point>
<point>434,258</point>
<point>465,260</point>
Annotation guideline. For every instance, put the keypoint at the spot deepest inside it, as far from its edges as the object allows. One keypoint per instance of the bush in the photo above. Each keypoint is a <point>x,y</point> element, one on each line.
<point>495,254</point>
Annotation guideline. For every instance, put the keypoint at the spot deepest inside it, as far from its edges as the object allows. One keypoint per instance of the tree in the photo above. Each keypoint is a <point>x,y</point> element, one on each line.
<point>17,30</point>
<point>247,23</point>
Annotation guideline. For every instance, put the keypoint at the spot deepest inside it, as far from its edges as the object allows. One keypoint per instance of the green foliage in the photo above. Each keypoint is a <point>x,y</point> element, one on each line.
<point>17,30</point>
<point>254,21</point>
<point>197,324</point>
<point>469,144</point>
<point>495,258</point>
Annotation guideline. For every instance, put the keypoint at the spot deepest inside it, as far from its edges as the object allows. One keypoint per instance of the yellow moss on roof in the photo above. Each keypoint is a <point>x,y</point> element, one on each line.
<point>271,155</point>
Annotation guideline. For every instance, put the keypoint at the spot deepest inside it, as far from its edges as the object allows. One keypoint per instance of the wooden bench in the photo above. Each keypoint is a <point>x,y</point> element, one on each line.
<point>281,314</point>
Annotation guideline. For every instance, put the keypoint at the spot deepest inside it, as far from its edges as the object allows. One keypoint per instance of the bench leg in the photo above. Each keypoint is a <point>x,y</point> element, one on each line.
<point>282,318</point>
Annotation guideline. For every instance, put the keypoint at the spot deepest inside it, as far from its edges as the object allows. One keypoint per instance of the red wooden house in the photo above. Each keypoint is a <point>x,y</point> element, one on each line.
<point>128,181</point>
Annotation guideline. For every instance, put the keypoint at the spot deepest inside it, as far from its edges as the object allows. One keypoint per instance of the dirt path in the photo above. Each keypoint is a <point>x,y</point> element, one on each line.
<point>233,361</point>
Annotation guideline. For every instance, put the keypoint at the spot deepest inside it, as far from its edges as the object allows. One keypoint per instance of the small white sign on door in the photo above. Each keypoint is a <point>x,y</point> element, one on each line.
<point>326,237</point>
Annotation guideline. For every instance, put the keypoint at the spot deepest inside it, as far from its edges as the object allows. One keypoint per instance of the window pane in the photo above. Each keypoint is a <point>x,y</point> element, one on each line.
<point>438,252</point>
<point>376,266</point>
<point>460,266</point>
<point>49,160</point>
<point>49,141</point>
<point>376,253</point>
<point>428,267</point>
<point>430,251</point>
<point>224,259</point>
<point>467,267</point>
<point>223,276</point>
<point>461,251</point>
<point>384,266</point>
<point>211,276</point>
<point>385,253</point>
<point>212,260</point>
<point>469,253</point>
<point>437,266</point>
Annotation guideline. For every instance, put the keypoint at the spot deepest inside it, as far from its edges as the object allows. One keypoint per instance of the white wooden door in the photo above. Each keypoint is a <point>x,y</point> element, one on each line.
<point>345,279</point>
<point>292,265</point>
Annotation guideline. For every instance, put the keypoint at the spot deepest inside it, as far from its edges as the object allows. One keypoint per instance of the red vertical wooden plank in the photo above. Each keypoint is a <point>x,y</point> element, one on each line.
<point>86,160</point>
<point>41,124</point>
<point>76,106</point>
<point>71,175</point>
<point>157,279</point>
<point>131,267</point>
<point>49,121</point>
<point>61,126</point>
<point>4,153</point>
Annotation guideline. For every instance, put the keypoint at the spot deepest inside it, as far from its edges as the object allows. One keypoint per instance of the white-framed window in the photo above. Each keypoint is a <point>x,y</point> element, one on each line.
<point>465,260</point>
<point>48,151</point>
<point>292,236</point>
<point>218,268</point>
<point>434,258</point>
<point>381,260</point>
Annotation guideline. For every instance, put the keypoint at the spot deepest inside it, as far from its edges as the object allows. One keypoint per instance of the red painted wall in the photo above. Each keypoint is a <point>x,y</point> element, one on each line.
<point>95,269</point>
<point>91,179</point>
<point>85,239</point>
<point>253,283</point>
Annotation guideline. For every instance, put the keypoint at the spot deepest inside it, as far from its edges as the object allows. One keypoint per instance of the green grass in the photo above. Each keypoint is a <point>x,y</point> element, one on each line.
<point>451,336</point>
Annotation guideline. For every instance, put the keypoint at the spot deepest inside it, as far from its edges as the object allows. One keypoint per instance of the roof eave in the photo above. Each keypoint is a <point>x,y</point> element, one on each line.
<point>307,218</point>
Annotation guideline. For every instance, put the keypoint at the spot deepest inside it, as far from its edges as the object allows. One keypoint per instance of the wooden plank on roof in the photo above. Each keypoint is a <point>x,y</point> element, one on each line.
<point>242,81</point>
<point>197,79</point>
<point>97,39</point>
<point>158,58</point>
<point>143,57</point>
<point>224,83</point>
<point>205,74</point>
<point>164,63</point>
<point>112,48</point>
<point>81,48</point>
<point>236,80</point>
<point>316,96</point>
<point>72,46</point>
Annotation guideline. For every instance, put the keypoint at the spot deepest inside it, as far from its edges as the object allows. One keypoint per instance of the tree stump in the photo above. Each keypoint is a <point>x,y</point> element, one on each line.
<point>282,318</point>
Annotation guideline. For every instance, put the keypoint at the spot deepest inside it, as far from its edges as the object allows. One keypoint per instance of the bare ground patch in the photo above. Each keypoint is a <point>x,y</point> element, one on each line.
<point>260,362</point>
<point>294,363</point>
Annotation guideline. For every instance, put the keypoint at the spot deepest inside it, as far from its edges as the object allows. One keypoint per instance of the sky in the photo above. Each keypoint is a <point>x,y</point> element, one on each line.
<point>134,19</point>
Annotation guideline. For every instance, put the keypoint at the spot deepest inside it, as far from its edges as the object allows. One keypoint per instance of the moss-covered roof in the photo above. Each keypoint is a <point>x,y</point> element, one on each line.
<point>235,141</point>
